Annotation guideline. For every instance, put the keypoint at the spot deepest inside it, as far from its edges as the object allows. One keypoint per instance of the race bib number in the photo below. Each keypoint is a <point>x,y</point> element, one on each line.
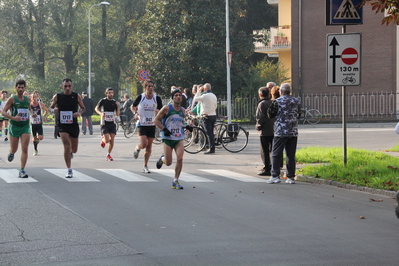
<point>66,117</point>
<point>36,120</point>
<point>149,121</point>
<point>109,116</point>
<point>24,114</point>
<point>176,132</point>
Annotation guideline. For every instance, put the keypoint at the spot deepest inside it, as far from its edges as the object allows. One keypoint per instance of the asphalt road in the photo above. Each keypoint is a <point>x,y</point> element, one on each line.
<point>113,214</point>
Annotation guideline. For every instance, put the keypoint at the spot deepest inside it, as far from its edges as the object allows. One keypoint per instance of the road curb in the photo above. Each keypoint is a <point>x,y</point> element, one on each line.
<point>310,179</point>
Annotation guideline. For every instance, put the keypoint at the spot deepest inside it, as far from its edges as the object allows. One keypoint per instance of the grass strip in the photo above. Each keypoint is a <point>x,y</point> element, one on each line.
<point>364,168</point>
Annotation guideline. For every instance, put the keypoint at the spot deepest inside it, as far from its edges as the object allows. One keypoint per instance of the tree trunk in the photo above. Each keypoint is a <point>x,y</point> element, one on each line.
<point>70,67</point>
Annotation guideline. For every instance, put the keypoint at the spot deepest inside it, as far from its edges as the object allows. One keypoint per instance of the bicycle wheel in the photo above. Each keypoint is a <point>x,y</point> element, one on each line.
<point>130,129</point>
<point>157,139</point>
<point>195,141</point>
<point>313,116</point>
<point>234,141</point>
<point>303,114</point>
<point>217,130</point>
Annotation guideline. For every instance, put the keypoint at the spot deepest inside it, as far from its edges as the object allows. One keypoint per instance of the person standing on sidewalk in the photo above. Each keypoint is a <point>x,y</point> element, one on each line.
<point>286,110</point>
<point>126,110</point>
<point>264,125</point>
<point>171,121</point>
<point>108,109</point>
<point>86,116</point>
<point>208,110</point>
<point>19,107</point>
<point>147,105</point>
<point>68,103</point>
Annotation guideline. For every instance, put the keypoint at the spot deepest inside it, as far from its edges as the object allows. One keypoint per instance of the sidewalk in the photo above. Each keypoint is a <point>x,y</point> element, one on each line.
<point>352,125</point>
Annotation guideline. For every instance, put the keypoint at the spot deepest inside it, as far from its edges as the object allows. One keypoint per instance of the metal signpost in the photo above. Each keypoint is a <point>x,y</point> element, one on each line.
<point>343,52</point>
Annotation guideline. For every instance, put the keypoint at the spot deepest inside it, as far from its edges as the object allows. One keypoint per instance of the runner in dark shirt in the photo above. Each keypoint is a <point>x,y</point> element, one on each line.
<point>68,103</point>
<point>108,109</point>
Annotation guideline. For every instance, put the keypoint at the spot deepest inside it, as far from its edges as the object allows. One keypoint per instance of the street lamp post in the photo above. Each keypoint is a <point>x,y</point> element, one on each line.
<point>89,15</point>
<point>228,62</point>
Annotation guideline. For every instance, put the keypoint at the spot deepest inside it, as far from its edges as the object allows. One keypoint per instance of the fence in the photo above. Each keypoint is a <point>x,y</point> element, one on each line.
<point>361,106</point>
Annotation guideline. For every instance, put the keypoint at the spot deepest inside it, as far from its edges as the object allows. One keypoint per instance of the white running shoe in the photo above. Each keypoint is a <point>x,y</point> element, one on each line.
<point>22,174</point>
<point>273,180</point>
<point>136,154</point>
<point>146,170</point>
<point>290,181</point>
<point>69,174</point>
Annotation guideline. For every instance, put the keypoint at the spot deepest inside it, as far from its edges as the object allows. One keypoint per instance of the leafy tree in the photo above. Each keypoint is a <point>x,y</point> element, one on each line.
<point>66,29</point>
<point>391,7</point>
<point>116,27</point>
<point>183,42</point>
<point>24,36</point>
<point>265,71</point>
<point>45,41</point>
<point>40,41</point>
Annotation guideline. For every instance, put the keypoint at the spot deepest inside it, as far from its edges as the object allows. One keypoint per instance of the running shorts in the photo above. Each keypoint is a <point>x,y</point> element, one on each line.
<point>71,129</point>
<point>108,129</point>
<point>148,131</point>
<point>17,131</point>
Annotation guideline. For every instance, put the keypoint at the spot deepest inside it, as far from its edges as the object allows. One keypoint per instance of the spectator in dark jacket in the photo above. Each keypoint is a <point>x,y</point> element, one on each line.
<point>125,110</point>
<point>86,116</point>
<point>264,125</point>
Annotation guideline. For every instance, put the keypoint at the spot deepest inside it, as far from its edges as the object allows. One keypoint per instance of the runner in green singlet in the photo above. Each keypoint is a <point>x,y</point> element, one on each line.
<point>19,127</point>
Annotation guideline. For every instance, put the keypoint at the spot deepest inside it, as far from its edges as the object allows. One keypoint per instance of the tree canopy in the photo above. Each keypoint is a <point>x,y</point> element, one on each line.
<point>180,42</point>
<point>390,7</point>
<point>183,42</point>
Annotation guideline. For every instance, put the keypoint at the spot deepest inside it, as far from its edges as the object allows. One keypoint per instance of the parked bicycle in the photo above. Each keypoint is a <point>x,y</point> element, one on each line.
<point>119,121</point>
<point>158,138</point>
<point>232,137</point>
<point>311,116</point>
<point>129,129</point>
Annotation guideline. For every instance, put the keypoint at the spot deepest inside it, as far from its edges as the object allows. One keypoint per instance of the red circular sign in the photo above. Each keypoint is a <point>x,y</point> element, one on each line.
<point>143,75</point>
<point>349,56</point>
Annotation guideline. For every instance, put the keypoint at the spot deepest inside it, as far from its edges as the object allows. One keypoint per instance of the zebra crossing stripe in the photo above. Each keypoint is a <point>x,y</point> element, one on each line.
<point>126,175</point>
<point>77,176</point>
<point>233,175</point>
<point>11,176</point>
<point>183,176</point>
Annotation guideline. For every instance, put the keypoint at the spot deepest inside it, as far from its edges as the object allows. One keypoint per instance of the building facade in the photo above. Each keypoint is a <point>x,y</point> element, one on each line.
<point>304,53</point>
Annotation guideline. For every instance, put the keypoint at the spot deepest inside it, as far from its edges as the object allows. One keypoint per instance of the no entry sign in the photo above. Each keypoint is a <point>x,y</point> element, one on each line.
<point>349,56</point>
<point>143,75</point>
<point>343,59</point>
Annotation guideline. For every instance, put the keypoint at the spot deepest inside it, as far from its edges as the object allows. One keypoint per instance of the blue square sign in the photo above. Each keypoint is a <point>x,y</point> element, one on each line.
<point>342,12</point>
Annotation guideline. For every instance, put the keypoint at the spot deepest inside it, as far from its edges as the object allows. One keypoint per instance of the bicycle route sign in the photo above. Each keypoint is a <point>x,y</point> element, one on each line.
<point>343,59</point>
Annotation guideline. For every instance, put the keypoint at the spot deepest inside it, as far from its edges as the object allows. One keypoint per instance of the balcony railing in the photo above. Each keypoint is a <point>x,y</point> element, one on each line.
<point>273,39</point>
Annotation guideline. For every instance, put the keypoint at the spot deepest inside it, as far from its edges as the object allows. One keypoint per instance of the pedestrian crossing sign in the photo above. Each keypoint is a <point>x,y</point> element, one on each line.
<point>343,12</point>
